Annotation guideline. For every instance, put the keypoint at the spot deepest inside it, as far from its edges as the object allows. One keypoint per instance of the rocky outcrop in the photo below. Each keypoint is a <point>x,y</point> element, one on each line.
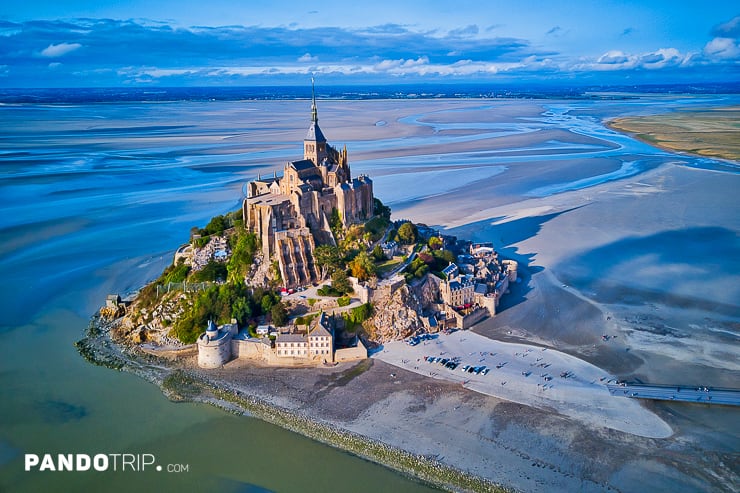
<point>396,316</point>
<point>152,324</point>
<point>428,291</point>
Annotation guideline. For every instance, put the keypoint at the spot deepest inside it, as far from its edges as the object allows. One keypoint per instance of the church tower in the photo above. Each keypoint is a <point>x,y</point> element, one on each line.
<point>314,145</point>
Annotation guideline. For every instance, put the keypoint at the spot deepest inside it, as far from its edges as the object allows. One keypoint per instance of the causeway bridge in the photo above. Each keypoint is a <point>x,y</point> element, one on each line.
<point>681,393</point>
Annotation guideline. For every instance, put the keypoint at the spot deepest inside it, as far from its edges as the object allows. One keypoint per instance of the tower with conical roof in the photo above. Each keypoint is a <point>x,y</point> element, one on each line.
<point>314,145</point>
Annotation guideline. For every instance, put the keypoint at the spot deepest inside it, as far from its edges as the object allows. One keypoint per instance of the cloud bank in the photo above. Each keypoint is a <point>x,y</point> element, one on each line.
<point>105,52</point>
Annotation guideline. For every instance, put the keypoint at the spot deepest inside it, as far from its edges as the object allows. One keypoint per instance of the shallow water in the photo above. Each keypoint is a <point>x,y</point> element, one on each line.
<point>95,199</point>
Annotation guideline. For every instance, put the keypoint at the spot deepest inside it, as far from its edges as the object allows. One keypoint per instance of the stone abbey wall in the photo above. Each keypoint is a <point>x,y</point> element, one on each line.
<point>251,349</point>
<point>351,353</point>
<point>467,321</point>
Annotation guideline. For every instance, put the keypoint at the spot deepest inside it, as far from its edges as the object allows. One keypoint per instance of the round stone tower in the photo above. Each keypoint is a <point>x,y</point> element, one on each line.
<point>214,347</point>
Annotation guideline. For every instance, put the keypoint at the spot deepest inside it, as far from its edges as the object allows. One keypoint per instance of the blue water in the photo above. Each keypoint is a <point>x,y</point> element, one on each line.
<point>95,198</point>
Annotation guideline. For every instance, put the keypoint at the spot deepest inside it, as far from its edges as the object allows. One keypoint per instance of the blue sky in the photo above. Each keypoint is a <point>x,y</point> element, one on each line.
<point>72,43</point>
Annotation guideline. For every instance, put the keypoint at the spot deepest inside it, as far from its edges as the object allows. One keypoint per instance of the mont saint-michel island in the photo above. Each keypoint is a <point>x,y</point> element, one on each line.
<point>314,308</point>
<point>312,270</point>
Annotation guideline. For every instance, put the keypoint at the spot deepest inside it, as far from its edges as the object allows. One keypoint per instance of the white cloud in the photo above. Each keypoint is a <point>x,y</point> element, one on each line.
<point>661,58</point>
<point>308,58</point>
<point>613,57</point>
<point>722,48</point>
<point>618,60</point>
<point>53,51</point>
<point>54,65</point>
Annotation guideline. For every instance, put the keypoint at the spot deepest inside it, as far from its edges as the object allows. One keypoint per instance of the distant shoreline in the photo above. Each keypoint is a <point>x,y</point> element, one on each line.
<point>702,133</point>
<point>350,92</point>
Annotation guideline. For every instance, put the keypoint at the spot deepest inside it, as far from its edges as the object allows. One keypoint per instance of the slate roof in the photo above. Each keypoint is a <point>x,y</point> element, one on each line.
<point>302,165</point>
<point>290,338</point>
<point>319,330</point>
<point>450,270</point>
<point>315,133</point>
<point>321,326</point>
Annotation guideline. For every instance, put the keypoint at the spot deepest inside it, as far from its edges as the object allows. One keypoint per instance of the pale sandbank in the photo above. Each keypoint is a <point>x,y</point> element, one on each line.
<point>529,375</point>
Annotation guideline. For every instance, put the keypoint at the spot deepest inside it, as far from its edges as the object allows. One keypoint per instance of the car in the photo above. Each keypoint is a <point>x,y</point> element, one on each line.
<point>471,369</point>
<point>444,361</point>
<point>485,372</point>
<point>465,368</point>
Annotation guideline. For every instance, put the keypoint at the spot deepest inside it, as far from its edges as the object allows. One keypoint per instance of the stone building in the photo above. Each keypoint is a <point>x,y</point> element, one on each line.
<point>317,343</point>
<point>485,281</point>
<point>458,291</point>
<point>291,213</point>
<point>219,345</point>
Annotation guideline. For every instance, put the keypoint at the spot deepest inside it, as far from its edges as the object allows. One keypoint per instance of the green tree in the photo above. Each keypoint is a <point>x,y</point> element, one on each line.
<point>362,267</point>
<point>328,259</point>
<point>212,271</point>
<point>378,253</point>
<point>241,310</point>
<point>435,243</point>
<point>267,302</point>
<point>380,209</point>
<point>335,222</point>
<point>408,233</point>
<point>340,283</point>
<point>175,273</point>
<point>444,257</point>
<point>361,313</point>
<point>242,256</point>
<point>215,226</point>
<point>279,315</point>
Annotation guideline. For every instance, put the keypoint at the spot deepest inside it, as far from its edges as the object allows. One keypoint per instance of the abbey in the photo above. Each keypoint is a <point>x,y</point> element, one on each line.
<point>291,213</point>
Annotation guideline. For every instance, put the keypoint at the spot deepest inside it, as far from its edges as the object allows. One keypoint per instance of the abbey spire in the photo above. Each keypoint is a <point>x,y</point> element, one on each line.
<point>314,145</point>
<point>314,111</point>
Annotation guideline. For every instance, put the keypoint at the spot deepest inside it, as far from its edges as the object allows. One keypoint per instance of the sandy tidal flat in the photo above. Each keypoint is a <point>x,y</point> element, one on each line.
<point>530,375</point>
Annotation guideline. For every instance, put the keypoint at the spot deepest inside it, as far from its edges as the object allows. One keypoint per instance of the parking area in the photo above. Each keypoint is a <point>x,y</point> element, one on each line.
<point>530,375</point>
